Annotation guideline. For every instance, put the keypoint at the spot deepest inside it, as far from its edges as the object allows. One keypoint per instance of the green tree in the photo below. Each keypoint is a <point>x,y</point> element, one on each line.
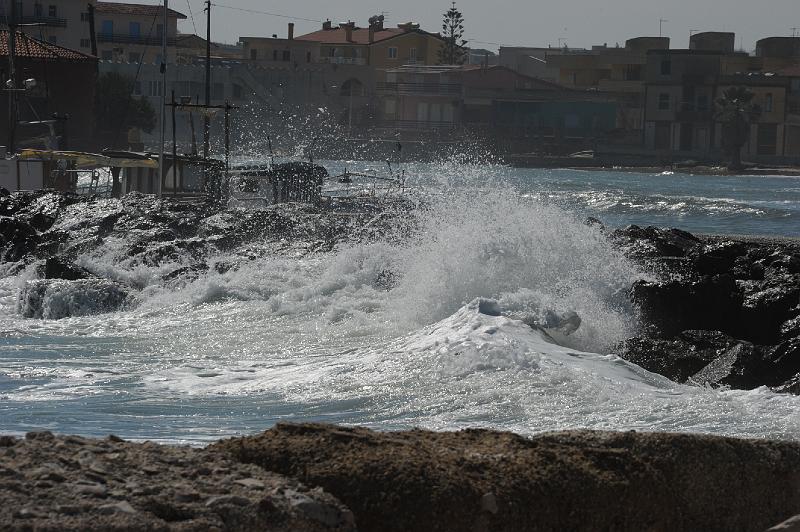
<point>116,110</point>
<point>452,51</point>
<point>736,111</point>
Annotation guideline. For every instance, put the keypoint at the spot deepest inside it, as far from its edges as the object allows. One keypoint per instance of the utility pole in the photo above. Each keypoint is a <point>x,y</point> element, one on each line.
<point>92,34</point>
<point>206,122</point>
<point>661,21</point>
<point>161,162</point>
<point>11,84</point>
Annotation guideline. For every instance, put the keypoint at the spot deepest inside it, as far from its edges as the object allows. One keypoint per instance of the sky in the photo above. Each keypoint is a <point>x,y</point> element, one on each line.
<point>489,24</point>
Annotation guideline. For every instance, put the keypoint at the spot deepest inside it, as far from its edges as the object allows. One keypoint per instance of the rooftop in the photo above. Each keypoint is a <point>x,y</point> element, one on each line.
<point>119,8</point>
<point>32,48</point>
<point>358,35</point>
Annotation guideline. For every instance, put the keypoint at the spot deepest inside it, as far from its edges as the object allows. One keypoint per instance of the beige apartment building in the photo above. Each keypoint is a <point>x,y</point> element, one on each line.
<point>132,33</point>
<point>61,22</point>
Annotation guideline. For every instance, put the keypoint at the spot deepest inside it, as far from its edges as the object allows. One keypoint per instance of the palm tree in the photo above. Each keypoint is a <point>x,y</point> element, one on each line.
<point>736,111</point>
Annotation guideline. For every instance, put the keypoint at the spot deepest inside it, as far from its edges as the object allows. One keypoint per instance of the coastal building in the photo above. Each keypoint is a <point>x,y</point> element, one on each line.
<point>133,32</point>
<point>680,113</point>
<point>57,110</point>
<point>375,45</point>
<point>60,22</point>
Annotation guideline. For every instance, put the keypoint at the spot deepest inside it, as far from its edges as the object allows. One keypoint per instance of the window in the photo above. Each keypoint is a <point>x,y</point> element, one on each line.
<point>308,57</point>
<point>38,10</point>
<point>392,52</point>
<point>137,88</point>
<point>390,107</point>
<point>85,43</point>
<point>287,56</point>
<point>331,52</point>
<point>702,102</point>
<point>135,30</point>
<point>237,91</point>
<point>134,57</point>
<point>663,101</point>
<point>52,12</point>
<point>154,88</point>
<point>253,53</point>
<point>107,55</point>
<point>107,27</point>
<point>412,55</point>
<point>666,67</point>
<point>84,17</point>
<point>768,102</point>
<point>159,30</point>
<point>218,91</point>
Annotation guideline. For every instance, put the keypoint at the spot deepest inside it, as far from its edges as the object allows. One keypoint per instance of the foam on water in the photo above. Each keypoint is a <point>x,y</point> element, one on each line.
<point>429,331</point>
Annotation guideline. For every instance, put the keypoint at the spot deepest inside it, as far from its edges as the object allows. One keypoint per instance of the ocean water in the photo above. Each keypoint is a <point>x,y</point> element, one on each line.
<point>466,334</point>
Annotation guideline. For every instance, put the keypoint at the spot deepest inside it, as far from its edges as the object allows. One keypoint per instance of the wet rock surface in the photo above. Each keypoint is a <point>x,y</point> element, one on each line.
<point>576,480</point>
<point>718,311</point>
<point>52,482</point>
<point>57,237</point>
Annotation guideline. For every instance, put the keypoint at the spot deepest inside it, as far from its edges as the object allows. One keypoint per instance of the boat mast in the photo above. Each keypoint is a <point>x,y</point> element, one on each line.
<point>206,122</point>
<point>161,165</point>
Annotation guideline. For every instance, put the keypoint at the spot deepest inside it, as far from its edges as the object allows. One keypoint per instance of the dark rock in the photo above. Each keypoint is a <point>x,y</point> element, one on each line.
<point>18,239</point>
<point>790,386</point>
<point>655,241</point>
<point>737,367</point>
<point>790,328</point>
<point>624,481</point>
<point>57,298</point>
<point>712,303</point>
<point>717,257</point>
<point>57,268</point>
<point>678,358</point>
<point>766,307</point>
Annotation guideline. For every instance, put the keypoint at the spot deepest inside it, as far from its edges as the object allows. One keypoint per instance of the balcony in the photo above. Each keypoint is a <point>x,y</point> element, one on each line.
<point>417,125</point>
<point>443,89</point>
<point>41,20</point>
<point>344,60</point>
<point>115,38</point>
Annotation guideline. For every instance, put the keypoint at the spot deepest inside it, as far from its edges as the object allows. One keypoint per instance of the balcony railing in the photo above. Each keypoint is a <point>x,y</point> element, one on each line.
<point>344,60</point>
<point>53,22</point>
<point>121,38</point>
<point>419,88</point>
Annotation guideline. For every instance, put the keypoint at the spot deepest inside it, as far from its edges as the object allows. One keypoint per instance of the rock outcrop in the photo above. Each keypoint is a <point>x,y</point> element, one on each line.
<point>577,480</point>
<point>724,312</point>
<point>70,483</point>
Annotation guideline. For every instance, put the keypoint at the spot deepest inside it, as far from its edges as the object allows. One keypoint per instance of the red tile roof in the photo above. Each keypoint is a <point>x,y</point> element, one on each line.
<point>144,10</point>
<point>360,35</point>
<point>31,48</point>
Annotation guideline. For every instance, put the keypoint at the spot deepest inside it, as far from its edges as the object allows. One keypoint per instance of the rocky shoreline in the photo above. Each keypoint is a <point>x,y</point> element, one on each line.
<point>297,477</point>
<point>715,311</point>
<point>718,311</point>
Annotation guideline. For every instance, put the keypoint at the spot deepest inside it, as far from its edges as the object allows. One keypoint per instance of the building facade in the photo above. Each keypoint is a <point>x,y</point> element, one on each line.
<point>133,32</point>
<point>60,22</point>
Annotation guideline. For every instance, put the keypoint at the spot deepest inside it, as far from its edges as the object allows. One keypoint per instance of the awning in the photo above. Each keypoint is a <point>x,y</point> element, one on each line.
<point>88,160</point>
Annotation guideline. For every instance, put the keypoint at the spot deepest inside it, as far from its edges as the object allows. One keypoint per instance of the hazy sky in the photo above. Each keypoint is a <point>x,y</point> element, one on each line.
<point>579,23</point>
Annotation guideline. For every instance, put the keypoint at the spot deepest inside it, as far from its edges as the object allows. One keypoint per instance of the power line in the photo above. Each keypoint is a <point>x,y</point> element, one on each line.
<point>265,13</point>
<point>191,15</point>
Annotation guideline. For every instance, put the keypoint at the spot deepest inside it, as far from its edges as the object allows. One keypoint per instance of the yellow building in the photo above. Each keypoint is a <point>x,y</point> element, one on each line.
<point>375,45</point>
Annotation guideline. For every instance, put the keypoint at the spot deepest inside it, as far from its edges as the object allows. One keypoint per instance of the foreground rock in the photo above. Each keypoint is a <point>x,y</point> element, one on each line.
<point>579,480</point>
<point>724,312</point>
<point>76,484</point>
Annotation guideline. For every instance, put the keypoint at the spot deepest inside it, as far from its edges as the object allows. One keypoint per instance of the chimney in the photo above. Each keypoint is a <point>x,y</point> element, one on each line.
<point>348,30</point>
<point>371,34</point>
<point>291,31</point>
<point>326,25</point>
